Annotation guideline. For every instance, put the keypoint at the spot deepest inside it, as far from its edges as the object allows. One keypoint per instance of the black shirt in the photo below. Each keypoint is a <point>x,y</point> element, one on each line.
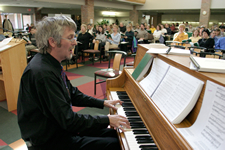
<point>207,43</point>
<point>85,39</point>
<point>123,29</point>
<point>130,36</point>
<point>44,104</point>
<point>169,32</point>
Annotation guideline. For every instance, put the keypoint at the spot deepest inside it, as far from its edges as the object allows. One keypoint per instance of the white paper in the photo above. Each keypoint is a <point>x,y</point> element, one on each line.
<point>173,51</point>
<point>4,47</point>
<point>152,80</point>
<point>177,94</point>
<point>5,41</point>
<point>208,131</point>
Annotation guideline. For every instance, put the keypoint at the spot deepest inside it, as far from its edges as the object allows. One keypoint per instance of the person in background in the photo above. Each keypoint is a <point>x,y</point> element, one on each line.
<point>222,31</point>
<point>218,35</point>
<point>213,35</point>
<point>31,25</point>
<point>200,30</point>
<point>105,27</point>
<point>45,115</point>
<point>129,35</point>
<point>173,28</point>
<point>112,42</point>
<point>195,36</point>
<point>167,27</point>
<point>163,30</point>
<point>142,34</point>
<point>122,28</point>
<point>100,36</point>
<point>84,37</point>
<point>147,27</point>
<point>78,22</point>
<point>27,28</point>
<point>206,41</point>
<point>220,44</point>
<point>152,28</point>
<point>96,28</point>
<point>32,43</point>
<point>221,25</point>
<point>181,35</point>
<point>90,29</point>
<point>109,29</point>
<point>177,25</point>
<point>190,28</point>
<point>157,33</point>
<point>143,20</point>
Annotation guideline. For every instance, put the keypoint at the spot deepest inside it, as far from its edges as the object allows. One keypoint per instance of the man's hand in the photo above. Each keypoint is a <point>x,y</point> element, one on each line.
<point>118,121</point>
<point>111,103</point>
<point>29,42</point>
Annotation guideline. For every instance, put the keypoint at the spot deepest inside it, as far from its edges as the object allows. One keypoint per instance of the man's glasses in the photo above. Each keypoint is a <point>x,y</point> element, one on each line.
<point>72,40</point>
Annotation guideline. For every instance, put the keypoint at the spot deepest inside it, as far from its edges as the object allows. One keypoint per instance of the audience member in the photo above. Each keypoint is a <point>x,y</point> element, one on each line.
<point>167,27</point>
<point>129,35</point>
<point>90,29</point>
<point>143,20</point>
<point>206,41</point>
<point>78,22</point>
<point>152,28</point>
<point>109,29</point>
<point>137,27</point>
<point>173,28</point>
<point>84,37</point>
<point>195,36</point>
<point>163,30</point>
<point>27,28</point>
<point>213,35</point>
<point>222,31</point>
<point>220,44</point>
<point>181,35</point>
<point>157,33</point>
<point>32,43</point>
<point>142,34</point>
<point>190,28</point>
<point>113,41</point>
<point>201,29</point>
<point>122,28</point>
<point>105,27</point>
<point>221,25</point>
<point>218,35</point>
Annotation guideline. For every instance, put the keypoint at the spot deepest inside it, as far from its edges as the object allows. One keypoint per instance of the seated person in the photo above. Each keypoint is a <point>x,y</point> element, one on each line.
<point>32,43</point>
<point>101,36</point>
<point>90,29</point>
<point>152,29</point>
<point>181,35</point>
<point>213,35</point>
<point>84,37</point>
<point>167,27</point>
<point>129,35</point>
<point>46,96</point>
<point>195,36</point>
<point>109,29</point>
<point>122,28</point>
<point>142,34</point>
<point>112,42</point>
<point>220,44</point>
<point>157,33</point>
<point>163,30</point>
<point>218,35</point>
<point>206,41</point>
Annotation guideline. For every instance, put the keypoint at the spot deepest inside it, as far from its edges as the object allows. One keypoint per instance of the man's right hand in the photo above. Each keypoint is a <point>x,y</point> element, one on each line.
<point>118,121</point>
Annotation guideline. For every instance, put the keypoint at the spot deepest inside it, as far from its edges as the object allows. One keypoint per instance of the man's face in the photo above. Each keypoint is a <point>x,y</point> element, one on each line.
<point>213,34</point>
<point>217,33</point>
<point>205,35</point>
<point>65,50</point>
<point>121,24</point>
<point>142,27</point>
<point>89,27</point>
<point>33,31</point>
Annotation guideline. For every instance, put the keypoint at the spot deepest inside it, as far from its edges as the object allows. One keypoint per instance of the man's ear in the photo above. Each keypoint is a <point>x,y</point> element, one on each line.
<point>52,42</point>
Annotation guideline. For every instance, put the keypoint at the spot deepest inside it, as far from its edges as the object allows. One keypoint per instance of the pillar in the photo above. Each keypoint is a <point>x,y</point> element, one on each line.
<point>205,13</point>
<point>134,15</point>
<point>38,15</point>
<point>1,31</point>
<point>87,12</point>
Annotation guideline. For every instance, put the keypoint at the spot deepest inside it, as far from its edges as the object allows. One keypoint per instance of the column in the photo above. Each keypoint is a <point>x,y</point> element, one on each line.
<point>38,15</point>
<point>205,13</point>
<point>134,15</point>
<point>87,12</point>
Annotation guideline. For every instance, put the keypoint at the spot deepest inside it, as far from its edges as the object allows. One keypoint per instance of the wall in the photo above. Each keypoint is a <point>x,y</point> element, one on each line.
<point>24,10</point>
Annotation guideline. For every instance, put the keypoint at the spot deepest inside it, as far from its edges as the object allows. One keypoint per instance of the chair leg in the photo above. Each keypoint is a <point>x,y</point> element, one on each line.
<point>95,84</point>
<point>93,57</point>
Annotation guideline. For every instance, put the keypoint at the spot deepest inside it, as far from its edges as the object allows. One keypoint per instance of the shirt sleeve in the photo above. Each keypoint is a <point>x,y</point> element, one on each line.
<point>116,39</point>
<point>217,45</point>
<point>176,37</point>
<point>54,105</point>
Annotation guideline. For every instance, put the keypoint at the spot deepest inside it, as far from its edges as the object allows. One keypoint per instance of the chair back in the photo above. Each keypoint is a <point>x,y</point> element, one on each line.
<point>116,61</point>
<point>96,45</point>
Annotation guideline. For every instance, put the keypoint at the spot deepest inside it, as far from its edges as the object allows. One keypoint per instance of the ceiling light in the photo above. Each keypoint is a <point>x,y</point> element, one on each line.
<point>110,13</point>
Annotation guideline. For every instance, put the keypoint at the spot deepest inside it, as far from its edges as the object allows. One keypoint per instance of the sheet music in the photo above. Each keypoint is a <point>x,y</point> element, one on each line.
<point>208,131</point>
<point>158,71</point>
<point>5,41</point>
<point>177,94</point>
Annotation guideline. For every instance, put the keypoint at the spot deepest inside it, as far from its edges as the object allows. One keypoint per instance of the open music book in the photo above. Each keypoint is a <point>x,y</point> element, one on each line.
<point>207,64</point>
<point>172,90</point>
<point>3,44</point>
<point>208,131</point>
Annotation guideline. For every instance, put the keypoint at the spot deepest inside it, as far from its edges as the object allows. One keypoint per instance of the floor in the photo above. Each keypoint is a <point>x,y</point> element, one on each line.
<point>82,77</point>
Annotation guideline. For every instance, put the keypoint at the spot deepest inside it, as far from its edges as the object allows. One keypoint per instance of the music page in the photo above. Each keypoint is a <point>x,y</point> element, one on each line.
<point>153,79</point>
<point>177,94</point>
<point>208,131</point>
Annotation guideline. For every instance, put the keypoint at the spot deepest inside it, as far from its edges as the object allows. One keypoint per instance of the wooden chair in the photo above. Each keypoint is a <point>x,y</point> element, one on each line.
<point>211,55</point>
<point>110,72</point>
<point>131,63</point>
<point>197,50</point>
<point>177,46</point>
<point>93,51</point>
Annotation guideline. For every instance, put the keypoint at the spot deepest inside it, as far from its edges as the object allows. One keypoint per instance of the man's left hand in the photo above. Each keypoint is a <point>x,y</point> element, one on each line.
<point>111,103</point>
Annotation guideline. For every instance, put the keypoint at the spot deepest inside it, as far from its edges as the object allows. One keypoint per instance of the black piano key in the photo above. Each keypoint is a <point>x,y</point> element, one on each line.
<point>137,127</point>
<point>121,93</point>
<point>123,97</point>
<point>127,105</point>
<point>125,100</point>
<point>134,119</point>
<point>143,137</point>
<point>144,141</point>
<point>141,131</point>
<point>137,123</point>
<point>129,109</point>
<point>131,114</point>
<point>148,147</point>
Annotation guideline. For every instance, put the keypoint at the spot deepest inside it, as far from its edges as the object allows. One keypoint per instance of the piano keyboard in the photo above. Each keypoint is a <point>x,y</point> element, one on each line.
<point>138,137</point>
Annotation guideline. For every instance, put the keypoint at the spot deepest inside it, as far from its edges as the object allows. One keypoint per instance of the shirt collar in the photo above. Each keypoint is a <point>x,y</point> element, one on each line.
<point>51,60</point>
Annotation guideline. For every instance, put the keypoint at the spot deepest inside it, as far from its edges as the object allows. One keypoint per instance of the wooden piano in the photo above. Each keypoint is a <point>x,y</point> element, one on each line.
<point>163,132</point>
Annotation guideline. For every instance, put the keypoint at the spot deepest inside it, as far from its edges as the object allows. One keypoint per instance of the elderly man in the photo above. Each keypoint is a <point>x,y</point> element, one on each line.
<point>122,28</point>
<point>46,97</point>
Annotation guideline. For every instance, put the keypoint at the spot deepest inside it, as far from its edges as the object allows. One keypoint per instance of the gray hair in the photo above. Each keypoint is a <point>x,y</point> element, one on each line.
<point>52,27</point>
